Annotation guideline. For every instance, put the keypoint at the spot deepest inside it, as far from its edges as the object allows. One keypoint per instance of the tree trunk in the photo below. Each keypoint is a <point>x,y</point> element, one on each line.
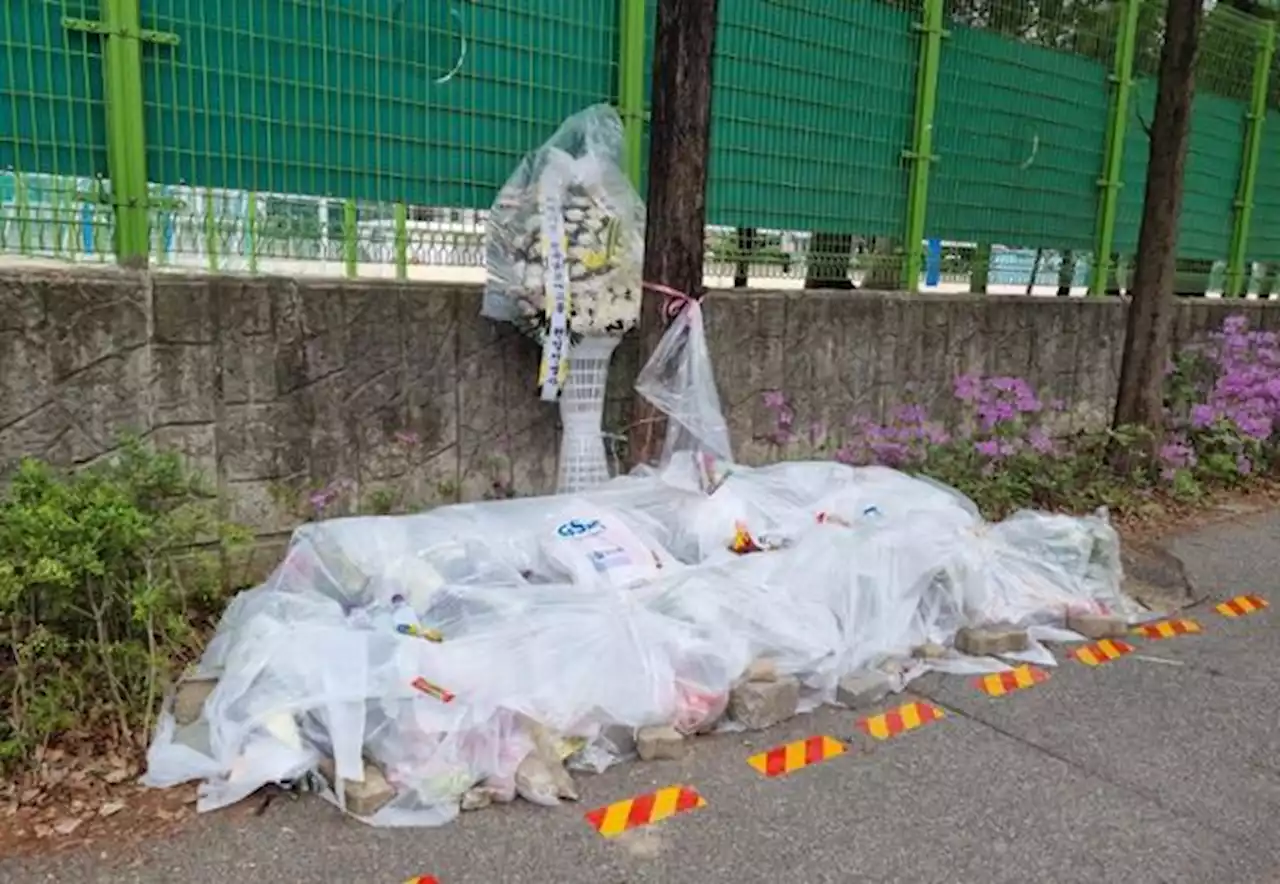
<point>828,261</point>
<point>746,253</point>
<point>679,144</point>
<point>1066,273</point>
<point>1146,348</point>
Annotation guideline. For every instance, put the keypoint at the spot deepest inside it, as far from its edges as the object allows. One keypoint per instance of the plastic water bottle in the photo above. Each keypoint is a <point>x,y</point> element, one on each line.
<point>407,623</point>
<point>402,616</point>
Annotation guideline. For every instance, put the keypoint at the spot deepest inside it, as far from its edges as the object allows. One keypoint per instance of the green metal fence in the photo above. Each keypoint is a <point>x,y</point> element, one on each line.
<point>369,136</point>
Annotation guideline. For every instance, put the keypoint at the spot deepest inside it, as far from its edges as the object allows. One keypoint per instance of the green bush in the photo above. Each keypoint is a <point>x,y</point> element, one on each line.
<point>109,578</point>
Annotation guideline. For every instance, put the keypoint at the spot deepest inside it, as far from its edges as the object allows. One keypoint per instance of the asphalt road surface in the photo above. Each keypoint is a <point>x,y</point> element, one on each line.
<point>1160,766</point>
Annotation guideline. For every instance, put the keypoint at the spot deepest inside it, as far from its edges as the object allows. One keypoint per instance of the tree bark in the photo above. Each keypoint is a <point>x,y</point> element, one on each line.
<point>679,145</point>
<point>1140,401</point>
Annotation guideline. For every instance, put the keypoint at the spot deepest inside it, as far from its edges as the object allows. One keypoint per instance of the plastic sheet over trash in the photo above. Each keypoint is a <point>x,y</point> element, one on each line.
<point>468,654</point>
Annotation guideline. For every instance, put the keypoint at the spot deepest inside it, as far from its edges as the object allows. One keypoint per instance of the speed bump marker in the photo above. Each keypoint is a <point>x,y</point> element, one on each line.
<point>423,879</point>
<point>1168,628</point>
<point>906,717</point>
<point>782,760</point>
<point>614,819</point>
<point>997,684</point>
<point>1102,652</point>
<point>1241,605</point>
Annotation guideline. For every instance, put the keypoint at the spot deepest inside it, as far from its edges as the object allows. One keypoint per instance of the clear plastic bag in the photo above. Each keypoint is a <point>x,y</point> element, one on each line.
<point>538,640</point>
<point>679,381</point>
<point>568,213</point>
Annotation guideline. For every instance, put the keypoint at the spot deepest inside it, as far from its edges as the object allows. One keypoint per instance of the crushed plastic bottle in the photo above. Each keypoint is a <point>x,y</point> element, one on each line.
<point>406,621</point>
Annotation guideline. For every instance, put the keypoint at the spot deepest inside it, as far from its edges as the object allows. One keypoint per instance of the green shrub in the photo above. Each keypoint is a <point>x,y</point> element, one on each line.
<point>109,578</point>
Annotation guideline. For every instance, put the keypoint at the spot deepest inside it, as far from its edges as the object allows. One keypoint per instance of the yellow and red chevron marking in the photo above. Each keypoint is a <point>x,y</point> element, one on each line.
<point>1241,605</point>
<point>614,819</point>
<point>1102,652</point>
<point>906,717</point>
<point>997,684</point>
<point>782,760</point>
<point>423,879</point>
<point>1168,628</point>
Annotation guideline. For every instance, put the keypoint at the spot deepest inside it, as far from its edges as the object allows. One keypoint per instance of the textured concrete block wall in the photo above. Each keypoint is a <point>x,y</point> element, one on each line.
<point>275,387</point>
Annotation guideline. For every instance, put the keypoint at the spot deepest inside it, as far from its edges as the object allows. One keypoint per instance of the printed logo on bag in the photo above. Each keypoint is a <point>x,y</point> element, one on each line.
<point>579,528</point>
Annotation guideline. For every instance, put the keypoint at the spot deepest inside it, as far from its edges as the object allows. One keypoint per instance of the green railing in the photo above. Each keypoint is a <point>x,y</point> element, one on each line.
<point>368,136</point>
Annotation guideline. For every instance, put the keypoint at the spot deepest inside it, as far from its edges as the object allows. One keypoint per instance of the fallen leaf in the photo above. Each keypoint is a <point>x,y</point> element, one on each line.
<point>67,826</point>
<point>117,776</point>
<point>111,808</point>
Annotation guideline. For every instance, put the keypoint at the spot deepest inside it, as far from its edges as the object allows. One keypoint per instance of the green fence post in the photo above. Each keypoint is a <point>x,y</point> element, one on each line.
<point>23,203</point>
<point>402,242</point>
<point>350,238</point>
<point>251,231</point>
<point>126,134</point>
<point>1256,118</point>
<point>920,154</point>
<point>980,269</point>
<point>632,21</point>
<point>1113,156</point>
<point>210,230</point>
<point>121,25</point>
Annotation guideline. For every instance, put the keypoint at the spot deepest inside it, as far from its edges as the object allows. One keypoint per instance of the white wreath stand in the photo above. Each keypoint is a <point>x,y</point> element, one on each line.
<point>584,463</point>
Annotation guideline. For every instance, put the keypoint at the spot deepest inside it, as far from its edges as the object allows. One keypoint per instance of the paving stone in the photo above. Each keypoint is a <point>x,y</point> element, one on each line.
<point>480,797</point>
<point>863,689</point>
<point>544,781</point>
<point>546,749</point>
<point>761,669</point>
<point>1098,625</point>
<point>360,797</point>
<point>760,704</point>
<point>991,639</point>
<point>659,742</point>
<point>929,651</point>
<point>188,701</point>
<point>1156,577</point>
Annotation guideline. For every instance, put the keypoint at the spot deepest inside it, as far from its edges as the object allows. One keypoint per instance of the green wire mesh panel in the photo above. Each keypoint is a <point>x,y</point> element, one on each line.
<point>1224,72</point>
<point>1213,173</point>
<point>52,135</point>
<point>1264,232</point>
<point>812,111</point>
<point>291,127</point>
<point>1021,124</point>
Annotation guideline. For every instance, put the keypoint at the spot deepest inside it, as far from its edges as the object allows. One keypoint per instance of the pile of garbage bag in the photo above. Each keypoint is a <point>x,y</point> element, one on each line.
<point>415,665</point>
